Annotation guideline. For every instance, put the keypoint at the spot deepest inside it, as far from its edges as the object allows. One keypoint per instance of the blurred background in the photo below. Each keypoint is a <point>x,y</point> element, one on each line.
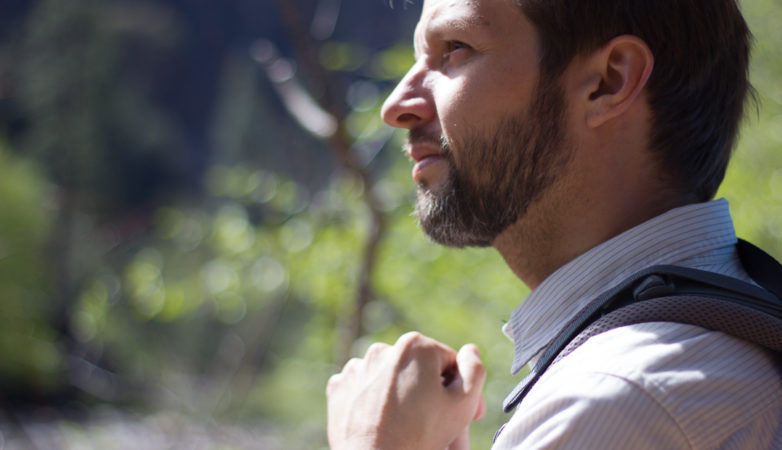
<point>202,217</point>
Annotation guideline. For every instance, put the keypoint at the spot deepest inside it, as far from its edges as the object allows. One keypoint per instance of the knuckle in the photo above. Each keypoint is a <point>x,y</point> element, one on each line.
<point>352,365</point>
<point>410,338</point>
<point>333,383</point>
<point>376,348</point>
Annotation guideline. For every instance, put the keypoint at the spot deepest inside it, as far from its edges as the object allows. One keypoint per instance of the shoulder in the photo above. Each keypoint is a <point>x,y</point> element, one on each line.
<point>653,385</point>
<point>664,358</point>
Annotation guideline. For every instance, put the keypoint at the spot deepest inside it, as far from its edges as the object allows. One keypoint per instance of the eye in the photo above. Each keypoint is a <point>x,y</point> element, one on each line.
<point>453,49</point>
<point>455,45</point>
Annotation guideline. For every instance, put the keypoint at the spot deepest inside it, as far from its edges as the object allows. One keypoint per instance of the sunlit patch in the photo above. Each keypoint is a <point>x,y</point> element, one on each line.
<point>219,276</point>
<point>232,230</point>
<point>296,235</point>
<point>775,128</point>
<point>267,275</point>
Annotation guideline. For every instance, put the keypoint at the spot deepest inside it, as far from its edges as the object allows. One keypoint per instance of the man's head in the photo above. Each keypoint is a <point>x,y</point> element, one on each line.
<point>489,117</point>
<point>698,88</point>
<point>485,130</point>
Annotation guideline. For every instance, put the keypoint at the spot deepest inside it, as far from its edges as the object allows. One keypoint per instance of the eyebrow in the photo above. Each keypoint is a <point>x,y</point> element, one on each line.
<point>458,23</point>
<point>463,23</point>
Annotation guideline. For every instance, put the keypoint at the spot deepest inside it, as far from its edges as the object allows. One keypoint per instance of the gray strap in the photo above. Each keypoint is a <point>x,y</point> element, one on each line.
<point>723,315</point>
<point>682,295</point>
<point>706,312</point>
<point>645,285</point>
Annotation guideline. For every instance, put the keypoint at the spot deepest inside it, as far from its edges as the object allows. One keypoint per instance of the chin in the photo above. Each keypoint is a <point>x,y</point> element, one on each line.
<point>444,220</point>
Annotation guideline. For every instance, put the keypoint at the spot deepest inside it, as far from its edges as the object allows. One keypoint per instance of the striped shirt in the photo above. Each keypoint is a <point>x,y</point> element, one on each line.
<point>652,385</point>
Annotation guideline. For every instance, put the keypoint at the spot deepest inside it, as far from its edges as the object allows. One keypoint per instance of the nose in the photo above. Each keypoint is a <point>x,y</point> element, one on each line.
<point>410,105</point>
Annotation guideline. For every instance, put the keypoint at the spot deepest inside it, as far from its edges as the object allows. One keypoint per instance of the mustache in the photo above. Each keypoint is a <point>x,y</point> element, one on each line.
<point>421,136</point>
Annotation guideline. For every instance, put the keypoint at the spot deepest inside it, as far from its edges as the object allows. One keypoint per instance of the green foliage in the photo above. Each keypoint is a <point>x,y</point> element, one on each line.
<point>753,183</point>
<point>92,119</point>
<point>63,88</point>
<point>29,347</point>
<point>393,63</point>
<point>343,56</point>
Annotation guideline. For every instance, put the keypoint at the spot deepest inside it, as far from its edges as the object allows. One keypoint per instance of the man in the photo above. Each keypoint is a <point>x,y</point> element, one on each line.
<point>583,140</point>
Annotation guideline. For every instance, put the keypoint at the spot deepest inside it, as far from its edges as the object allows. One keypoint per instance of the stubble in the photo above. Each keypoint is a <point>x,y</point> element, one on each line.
<point>493,179</point>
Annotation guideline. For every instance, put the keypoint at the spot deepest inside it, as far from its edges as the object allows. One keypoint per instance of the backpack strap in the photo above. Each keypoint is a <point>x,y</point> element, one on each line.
<point>761,267</point>
<point>678,294</point>
<point>710,313</point>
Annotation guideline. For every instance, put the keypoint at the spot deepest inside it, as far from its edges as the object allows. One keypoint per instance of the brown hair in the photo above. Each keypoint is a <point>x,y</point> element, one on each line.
<point>699,84</point>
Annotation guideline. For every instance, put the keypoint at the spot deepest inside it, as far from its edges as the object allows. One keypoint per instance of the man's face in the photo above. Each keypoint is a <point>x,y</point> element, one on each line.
<point>486,133</point>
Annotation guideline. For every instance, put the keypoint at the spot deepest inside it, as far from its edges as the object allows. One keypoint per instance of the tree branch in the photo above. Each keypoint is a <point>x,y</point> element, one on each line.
<point>314,116</point>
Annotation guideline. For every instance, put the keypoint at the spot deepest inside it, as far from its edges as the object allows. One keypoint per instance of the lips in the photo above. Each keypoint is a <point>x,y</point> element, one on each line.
<point>423,168</point>
<point>420,152</point>
<point>430,164</point>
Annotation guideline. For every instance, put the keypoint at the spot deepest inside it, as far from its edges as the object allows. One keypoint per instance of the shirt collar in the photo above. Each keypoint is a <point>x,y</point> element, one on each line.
<point>690,236</point>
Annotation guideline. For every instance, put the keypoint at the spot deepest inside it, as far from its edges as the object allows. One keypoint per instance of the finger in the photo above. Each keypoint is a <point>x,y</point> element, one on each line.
<point>409,339</point>
<point>471,369</point>
<point>375,350</point>
<point>435,355</point>
<point>481,410</point>
<point>333,383</point>
<point>352,365</point>
<point>414,338</point>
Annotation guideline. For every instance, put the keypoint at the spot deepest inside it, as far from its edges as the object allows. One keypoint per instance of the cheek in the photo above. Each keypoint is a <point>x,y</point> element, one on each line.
<point>453,106</point>
<point>477,103</point>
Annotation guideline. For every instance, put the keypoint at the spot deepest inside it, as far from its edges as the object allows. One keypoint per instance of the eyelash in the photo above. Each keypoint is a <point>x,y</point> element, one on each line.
<point>452,46</point>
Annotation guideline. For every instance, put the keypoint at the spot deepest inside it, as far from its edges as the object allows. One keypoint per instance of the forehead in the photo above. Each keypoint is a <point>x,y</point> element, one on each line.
<point>479,16</point>
<point>470,12</point>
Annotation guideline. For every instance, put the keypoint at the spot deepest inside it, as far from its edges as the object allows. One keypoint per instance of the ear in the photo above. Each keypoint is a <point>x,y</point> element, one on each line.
<point>617,74</point>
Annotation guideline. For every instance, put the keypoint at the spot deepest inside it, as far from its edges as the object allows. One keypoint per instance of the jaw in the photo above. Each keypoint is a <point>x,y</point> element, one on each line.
<point>531,246</point>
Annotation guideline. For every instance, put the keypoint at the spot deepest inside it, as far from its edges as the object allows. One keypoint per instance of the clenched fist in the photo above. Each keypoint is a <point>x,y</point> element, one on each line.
<point>416,394</point>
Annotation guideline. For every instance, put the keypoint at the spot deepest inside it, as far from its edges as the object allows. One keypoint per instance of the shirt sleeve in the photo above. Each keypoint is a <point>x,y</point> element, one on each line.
<point>590,410</point>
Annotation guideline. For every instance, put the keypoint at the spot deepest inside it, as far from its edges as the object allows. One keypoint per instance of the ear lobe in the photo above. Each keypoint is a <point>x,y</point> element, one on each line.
<point>624,66</point>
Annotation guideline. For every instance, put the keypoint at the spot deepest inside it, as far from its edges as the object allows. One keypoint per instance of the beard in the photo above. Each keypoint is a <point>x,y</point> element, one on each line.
<point>498,176</point>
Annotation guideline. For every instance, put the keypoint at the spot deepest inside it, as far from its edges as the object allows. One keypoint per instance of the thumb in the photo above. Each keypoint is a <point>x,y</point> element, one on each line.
<point>471,370</point>
<point>481,410</point>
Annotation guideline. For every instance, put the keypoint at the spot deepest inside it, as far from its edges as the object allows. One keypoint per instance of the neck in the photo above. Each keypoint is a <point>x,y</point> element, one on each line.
<point>534,252</point>
<point>589,206</point>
